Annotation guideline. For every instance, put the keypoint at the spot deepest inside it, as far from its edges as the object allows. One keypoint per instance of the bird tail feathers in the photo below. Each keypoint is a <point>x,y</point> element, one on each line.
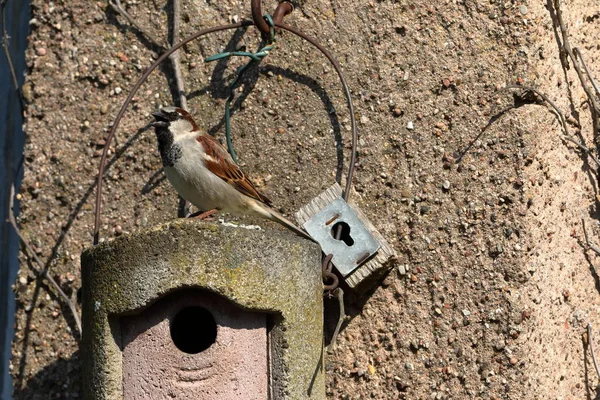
<point>275,216</point>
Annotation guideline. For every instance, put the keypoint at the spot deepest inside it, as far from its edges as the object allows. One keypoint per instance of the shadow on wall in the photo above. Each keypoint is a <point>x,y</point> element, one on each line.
<point>60,379</point>
<point>16,16</point>
<point>63,374</point>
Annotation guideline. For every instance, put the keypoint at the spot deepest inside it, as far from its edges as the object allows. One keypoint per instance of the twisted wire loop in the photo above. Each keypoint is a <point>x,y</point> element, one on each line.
<point>263,25</point>
<point>329,276</point>
<point>283,9</point>
<point>255,58</point>
<point>257,17</point>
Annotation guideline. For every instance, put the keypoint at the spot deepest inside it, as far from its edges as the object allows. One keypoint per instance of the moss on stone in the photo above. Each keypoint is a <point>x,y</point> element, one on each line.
<point>274,272</point>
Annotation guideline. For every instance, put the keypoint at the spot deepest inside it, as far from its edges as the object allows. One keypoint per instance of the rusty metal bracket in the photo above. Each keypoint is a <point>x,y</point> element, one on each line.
<point>371,267</point>
<point>357,244</point>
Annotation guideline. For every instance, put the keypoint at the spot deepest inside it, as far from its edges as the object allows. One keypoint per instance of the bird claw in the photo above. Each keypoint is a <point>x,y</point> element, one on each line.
<point>204,216</point>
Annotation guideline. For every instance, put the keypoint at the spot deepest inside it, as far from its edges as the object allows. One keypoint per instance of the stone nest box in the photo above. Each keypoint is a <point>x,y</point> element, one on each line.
<point>192,310</point>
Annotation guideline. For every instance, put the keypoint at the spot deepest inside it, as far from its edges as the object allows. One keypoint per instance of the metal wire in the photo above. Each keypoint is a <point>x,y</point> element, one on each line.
<point>327,272</point>
<point>255,58</point>
<point>134,90</point>
<point>197,35</point>
<point>337,68</point>
<point>328,275</point>
<point>283,9</point>
<point>591,344</point>
<point>257,17</point>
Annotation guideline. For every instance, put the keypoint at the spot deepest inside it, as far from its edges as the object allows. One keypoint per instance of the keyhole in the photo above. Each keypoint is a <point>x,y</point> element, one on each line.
<point>345,237</point>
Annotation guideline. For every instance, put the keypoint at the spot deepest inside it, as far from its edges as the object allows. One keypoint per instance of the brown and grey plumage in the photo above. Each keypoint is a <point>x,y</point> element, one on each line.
<point>203,172</point>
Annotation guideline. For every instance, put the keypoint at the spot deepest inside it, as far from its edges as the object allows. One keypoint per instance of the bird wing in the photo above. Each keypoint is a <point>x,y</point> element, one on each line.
<point>219,162</point>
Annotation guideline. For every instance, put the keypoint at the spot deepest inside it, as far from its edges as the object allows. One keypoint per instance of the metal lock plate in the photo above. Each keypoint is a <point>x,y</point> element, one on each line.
<point>357,244</point>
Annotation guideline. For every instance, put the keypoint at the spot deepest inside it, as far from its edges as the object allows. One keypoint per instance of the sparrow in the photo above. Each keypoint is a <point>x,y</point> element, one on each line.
<point>203,173</point>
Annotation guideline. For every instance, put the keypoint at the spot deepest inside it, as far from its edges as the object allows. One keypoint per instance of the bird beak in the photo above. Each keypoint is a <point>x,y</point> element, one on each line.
<point>161,120</point>
<point>159,115</point>
<point>159,124</point>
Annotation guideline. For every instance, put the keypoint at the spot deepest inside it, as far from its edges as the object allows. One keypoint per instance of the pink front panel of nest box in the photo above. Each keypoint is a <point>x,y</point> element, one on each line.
<point>195,345</point>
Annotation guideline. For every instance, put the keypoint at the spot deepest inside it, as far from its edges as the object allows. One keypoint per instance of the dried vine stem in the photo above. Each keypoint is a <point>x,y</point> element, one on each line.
<point>118,7</point>
<point>184,206</point>
<point>589,244</point>
<point>591,344</point>
<point>563,121</point>
<point>567,47</point>
<point>162,47</point>
<point>6,49</point>
<point>40,270</point>
<point>5,45</point>
<point>587,71</point>
<point>179,82</point>
<point>339,293</point>
<point>595,113</point>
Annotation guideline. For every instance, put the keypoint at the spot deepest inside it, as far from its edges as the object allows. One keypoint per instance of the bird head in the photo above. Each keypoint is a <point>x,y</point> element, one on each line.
<point>175,119</point>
